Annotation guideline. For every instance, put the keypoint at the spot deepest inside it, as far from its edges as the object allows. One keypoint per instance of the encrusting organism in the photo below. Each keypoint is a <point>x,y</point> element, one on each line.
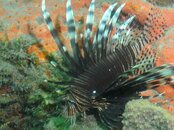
<point>140,114</point>
<point>114,63</point>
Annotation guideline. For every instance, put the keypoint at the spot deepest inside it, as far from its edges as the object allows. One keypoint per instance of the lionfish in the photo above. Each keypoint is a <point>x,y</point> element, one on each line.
<point>113,64</point>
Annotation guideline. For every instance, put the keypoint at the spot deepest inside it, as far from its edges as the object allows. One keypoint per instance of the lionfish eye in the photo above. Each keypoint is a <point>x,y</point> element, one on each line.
<point>94,94</point>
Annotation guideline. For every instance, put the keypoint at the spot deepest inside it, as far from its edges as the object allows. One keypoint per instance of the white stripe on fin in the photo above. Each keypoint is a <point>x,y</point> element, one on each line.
<point>123,27</point>
<point>116,15</point>
<point>72,31</point>
<point>56,38</point>
<point>103,22</point>
<point>89,23</point>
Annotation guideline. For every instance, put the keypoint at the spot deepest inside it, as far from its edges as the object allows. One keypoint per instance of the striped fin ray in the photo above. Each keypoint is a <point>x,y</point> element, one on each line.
<point>116,14</point>
<point>70,62</point>
<point>109,27</point>
<point>124,40</point>
<point>144,61</point>
<point>97,45</point>
<point>81,99</point>
<point>72,32</point>
<point>88,54</point>
<point>153,78</point>
<point>111,114</point>
<point>147,36</point>
<point>69,112</point>
<point>89,24</point>
<point>149,33</point>
<point>123,27</point>
<point>105,38</point>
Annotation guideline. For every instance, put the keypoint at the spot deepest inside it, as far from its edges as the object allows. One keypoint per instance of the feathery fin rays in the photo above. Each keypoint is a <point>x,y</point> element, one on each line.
<point>89,24</point>
<point>97,44</point>
<point>78,61</point>
<point>153,78</point>
<point>70,62</point>
<point>72,33</point>
<point>106,26</point>
<point>88,54</point>
<point>108,29</point>
<point>123,27</point>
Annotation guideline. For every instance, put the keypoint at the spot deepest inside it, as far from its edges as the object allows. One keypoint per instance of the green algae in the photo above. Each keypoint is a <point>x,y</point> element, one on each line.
<point>26,100</point>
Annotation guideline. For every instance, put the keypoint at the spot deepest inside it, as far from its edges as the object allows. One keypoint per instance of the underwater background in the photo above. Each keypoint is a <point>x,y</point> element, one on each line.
<point>29,102</point>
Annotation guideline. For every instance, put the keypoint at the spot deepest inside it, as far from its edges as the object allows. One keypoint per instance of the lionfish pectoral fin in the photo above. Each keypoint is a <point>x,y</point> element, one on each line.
<point>112,113</point>
<point>153,78</point>
<point>156,77</point>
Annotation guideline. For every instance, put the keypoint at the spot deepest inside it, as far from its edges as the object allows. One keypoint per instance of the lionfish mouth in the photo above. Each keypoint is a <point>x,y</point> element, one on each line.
<point>114,65</point>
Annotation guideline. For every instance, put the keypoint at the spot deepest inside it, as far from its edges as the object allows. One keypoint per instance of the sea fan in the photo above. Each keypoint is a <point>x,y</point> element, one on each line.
<point>110,67</point>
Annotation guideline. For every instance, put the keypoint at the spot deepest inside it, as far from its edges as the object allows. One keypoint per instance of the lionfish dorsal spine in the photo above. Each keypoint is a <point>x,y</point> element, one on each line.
<point>68,59</point>
<point>87,47</point>
<point>116,14</point>
<point>97,43</point>
<point>109,27</point>
<point>72,32</point>
<point>103,23</point>
<point>123,27</point>
<point>89,24</point>
<point>113,25</point>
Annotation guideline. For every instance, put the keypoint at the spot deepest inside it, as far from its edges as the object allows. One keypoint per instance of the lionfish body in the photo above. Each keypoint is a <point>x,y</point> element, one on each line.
<point>111,66</point>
